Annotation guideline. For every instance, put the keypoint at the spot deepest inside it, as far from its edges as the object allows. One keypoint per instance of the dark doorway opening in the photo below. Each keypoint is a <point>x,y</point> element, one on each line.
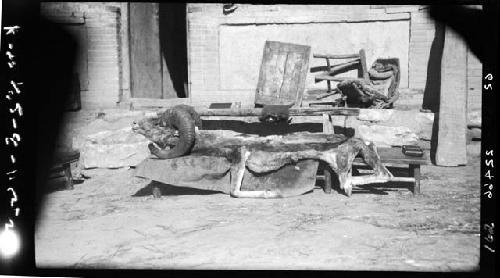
<point>173,44</point>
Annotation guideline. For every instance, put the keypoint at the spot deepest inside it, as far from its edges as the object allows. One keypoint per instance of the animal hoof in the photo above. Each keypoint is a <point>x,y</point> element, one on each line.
<point>151,147</point>
<point>348,191</point>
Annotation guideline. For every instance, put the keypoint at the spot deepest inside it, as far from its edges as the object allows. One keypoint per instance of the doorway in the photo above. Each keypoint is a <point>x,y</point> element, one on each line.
<point>158,50</point>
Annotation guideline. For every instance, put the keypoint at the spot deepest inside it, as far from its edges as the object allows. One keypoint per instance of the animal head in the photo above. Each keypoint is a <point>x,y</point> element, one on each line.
<point>152,129</point>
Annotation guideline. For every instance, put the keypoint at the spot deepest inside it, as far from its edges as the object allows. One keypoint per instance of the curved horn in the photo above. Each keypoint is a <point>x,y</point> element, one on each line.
<point>182,120</point>
<point>194,115</point>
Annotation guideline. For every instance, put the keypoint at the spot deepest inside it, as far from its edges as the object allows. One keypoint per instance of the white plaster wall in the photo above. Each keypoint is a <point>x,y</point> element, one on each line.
<point>241,46</point>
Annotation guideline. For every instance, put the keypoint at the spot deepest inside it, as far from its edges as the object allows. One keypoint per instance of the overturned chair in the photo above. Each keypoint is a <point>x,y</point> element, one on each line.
<point>376,87</point>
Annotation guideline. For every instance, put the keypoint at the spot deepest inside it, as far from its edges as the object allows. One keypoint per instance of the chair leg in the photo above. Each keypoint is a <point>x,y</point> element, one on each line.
<point>69,177</point>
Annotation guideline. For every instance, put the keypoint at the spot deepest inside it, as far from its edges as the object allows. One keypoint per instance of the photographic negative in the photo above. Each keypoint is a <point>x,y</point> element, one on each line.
<point>304,109</point>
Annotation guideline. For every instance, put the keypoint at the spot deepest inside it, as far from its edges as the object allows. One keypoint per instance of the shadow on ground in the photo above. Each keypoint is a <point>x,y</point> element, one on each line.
<point>171,190</point>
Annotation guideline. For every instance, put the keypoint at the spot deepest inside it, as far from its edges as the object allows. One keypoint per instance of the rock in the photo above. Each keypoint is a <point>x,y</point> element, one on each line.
<point>417,122</point>
<point>102,125</point>
<point>114,149</point>
<point>375,115</point>
<point>386,136</point>
<point>425,122</point>
<point>112,115</point>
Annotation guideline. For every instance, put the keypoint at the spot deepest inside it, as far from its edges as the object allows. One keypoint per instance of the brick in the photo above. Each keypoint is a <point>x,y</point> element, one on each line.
<point>102,30</point>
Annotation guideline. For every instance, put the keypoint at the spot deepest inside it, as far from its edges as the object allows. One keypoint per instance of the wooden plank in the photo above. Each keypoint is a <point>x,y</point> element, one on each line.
<point>124,53</point>
<point>452,123</point>
<point>363,70</point>
<point>336,68</point>
<point>268,64</point>
<point>329,56</point>
<point>360,182</point>
<point>158,103</point>
<point>341,17</point>
<point>238,112</point>
<point>347,63</point>
<point>278,74</point>
<point>301,85</point>
<point>292,111</point>
<point>396,156</point>
<point>290,70</point>
<point>282,74</point>
<point>321,77</point>
<point>145,61</point>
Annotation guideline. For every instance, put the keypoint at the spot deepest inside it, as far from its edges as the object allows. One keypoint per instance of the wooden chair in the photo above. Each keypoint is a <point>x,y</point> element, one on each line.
<point>357,62</point>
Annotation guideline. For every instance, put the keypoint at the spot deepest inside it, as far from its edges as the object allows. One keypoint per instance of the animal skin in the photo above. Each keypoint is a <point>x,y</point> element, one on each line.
<point>339,159</point>
<point>270,153</point>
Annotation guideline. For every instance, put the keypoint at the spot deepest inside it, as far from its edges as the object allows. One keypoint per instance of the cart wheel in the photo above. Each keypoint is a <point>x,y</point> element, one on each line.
<point>156,192</point>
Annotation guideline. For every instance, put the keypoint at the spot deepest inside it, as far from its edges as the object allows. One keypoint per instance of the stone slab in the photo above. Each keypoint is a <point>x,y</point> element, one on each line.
<point>113,149</point>
<point>387,136</point>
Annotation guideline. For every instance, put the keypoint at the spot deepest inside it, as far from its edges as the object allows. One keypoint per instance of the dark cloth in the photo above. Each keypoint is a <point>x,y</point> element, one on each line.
<point>274,113</point>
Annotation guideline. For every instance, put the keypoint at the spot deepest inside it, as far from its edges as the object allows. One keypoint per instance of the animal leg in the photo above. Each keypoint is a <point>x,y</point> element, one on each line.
<point>345,180</point>
<point>372,159</point>
<point>340,161</point>
<point>236,186</point>
<point>240,172</point>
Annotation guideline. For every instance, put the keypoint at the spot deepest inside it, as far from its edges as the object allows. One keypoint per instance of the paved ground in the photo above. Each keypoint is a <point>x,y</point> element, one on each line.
<point>111,221</point>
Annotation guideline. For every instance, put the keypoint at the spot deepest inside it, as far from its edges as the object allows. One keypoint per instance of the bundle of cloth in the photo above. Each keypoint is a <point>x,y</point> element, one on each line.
<point>380,91</point>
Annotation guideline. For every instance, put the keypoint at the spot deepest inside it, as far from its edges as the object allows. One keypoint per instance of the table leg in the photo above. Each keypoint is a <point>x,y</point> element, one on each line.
<point>328,84</point>
<point>415,172</point>
<point>155,190</point>
<point>328,124</point>
<point>328,181</point>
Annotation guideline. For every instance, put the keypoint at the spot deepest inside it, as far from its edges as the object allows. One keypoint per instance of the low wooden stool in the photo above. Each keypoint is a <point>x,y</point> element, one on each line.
<point>63,162</point>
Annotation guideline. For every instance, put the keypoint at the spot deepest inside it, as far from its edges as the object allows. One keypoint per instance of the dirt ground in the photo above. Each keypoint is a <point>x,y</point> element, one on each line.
<point>112,221</point>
